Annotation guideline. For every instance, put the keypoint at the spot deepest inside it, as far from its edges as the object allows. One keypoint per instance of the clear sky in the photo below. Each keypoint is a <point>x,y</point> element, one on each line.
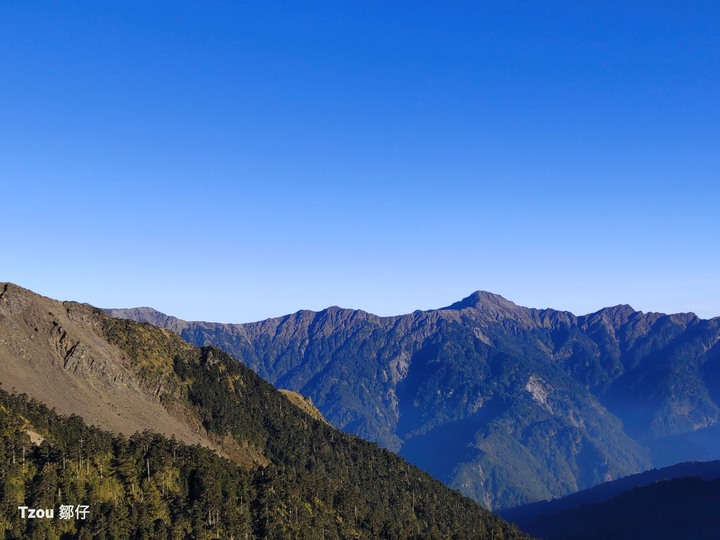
<point>232,161</point>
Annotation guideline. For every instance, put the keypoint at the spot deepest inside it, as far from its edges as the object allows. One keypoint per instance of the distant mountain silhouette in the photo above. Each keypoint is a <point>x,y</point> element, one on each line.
<point>678,502</point>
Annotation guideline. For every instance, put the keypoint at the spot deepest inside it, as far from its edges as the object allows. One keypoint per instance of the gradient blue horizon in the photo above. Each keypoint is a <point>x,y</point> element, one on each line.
<point>232,162</point>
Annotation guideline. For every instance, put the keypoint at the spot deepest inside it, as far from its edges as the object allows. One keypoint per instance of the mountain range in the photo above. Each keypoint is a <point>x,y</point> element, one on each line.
<point>186,442</point>
<point>505,403</point>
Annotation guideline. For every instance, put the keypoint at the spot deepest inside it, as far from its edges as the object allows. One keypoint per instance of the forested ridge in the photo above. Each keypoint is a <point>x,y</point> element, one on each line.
<point>317,482</point>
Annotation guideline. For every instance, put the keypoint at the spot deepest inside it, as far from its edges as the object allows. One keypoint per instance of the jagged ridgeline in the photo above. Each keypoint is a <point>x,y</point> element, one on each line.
<point>284,474</point>
<point>508,404</point>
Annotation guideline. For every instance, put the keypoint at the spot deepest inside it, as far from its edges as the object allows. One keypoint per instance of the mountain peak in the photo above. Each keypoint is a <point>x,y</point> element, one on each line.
<point>616,315</point>
<point>483,299</point>
<point>621,310</point>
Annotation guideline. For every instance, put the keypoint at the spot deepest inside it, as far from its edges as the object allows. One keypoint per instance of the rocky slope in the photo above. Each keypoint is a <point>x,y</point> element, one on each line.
<point>58,352</point>
<point>506,403</point>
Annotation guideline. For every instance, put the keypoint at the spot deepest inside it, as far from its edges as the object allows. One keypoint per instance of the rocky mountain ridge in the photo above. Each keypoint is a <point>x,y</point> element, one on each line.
<point>506,403</point>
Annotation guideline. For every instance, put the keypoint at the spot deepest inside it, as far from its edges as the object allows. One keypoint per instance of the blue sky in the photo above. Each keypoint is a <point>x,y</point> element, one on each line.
<point>233,161</point>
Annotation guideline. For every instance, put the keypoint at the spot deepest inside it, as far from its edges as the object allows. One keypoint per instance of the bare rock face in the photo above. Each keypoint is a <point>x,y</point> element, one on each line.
<point>57,352</point>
